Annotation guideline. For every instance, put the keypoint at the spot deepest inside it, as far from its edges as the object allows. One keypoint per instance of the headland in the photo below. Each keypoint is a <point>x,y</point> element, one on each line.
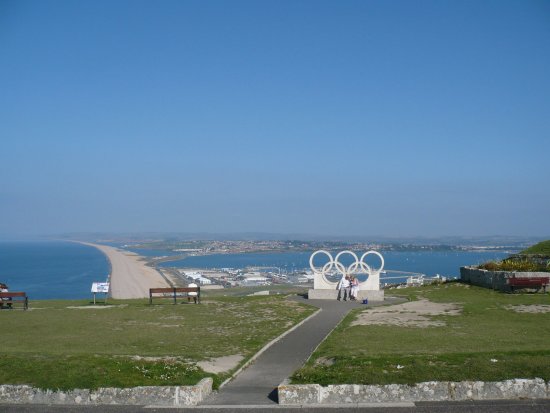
<point>130,276</point>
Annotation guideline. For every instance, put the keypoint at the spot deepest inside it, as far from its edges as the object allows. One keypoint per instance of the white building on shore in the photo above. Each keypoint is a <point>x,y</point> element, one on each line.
<point>197,277</point>
<point>255,278</point>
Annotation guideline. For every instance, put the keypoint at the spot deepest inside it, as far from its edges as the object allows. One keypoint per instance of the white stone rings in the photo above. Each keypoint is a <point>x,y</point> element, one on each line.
<point>357,266</point>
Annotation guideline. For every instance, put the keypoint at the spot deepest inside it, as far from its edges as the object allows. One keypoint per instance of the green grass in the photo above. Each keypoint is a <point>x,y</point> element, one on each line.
<point>403,369</point>
<point>64,344</point>
<point>464,349</point>
<point>92,371</point>
<point>274,289</point>
<point>542,248</point>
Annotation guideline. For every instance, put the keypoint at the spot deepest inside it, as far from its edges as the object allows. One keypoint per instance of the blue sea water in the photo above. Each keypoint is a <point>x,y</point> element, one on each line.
<point>429,263</point>
<point>52,270</point>
<point>66,270</point>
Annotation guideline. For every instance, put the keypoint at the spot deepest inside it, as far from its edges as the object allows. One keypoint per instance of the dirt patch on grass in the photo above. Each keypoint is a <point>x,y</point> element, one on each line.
<point>412,314</point>
<point>533,308</point>
<point>97,307</point>
<point>324,361</point>
<point>154,359</point>
<point>220,364</point>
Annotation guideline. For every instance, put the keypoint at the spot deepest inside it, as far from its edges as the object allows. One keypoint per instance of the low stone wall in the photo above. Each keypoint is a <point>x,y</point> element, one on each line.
<point>307,394</point>
<point>495,280</point>
<point>174,396</point>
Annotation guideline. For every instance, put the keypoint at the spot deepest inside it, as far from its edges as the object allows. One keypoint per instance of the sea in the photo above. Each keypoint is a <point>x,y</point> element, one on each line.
<point>66,270</point>
<point>52,269</point>
<point>398,265</point>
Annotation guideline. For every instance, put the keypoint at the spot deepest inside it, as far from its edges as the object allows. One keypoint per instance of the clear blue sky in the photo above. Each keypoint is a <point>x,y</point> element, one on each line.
<point>397,118</point>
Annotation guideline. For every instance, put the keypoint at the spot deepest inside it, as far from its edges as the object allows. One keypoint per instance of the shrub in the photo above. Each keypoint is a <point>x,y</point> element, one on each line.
<point>513,265</point>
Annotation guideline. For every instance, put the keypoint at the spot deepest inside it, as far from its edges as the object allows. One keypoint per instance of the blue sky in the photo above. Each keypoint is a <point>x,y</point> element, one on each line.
<point>395,118</point>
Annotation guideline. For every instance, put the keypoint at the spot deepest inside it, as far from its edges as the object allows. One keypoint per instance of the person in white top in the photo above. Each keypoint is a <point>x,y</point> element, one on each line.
<point>192,294</point>
<point>4,289</point>
<point>344,288</point>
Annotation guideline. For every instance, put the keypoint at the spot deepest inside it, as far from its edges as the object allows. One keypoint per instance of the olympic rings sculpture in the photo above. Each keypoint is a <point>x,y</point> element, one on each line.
<point>359,265</point>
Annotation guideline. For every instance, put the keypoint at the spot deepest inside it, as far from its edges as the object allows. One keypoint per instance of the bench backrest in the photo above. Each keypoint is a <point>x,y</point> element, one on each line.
<point>187,289</point>
<point>174,290</point>
<point>13,294</point>
<point>173,293</point>
<point>528,280</point>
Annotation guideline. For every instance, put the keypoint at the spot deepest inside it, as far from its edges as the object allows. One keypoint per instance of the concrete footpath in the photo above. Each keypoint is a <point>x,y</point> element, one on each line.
<point>257,384</point>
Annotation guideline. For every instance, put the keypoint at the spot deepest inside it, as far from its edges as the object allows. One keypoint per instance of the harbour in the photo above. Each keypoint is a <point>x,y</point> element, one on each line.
<point>66,270</point>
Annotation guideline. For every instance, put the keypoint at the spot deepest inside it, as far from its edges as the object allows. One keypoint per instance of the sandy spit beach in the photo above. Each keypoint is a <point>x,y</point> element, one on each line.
<point>130,277</point>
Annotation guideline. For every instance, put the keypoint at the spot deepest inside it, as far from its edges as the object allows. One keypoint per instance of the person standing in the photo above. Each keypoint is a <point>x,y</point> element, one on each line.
<point>192,294</point>
<point>354,288</point>
<point>344,288</point>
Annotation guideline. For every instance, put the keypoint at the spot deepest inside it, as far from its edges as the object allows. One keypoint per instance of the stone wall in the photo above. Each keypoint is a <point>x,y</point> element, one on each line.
<point>495,280</point>
<point>173,396</point>
<point>308,394</point>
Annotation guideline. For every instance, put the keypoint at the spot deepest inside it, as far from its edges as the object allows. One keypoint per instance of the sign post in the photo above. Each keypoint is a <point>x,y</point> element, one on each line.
<point>98,287</point>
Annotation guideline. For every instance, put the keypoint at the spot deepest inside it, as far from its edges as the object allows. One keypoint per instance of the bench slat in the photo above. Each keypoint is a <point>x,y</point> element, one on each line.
<point>12,294</point>
<point>528,281</point>
<point>533,282</point>
<point>171,290</point>
<point>161,290</point>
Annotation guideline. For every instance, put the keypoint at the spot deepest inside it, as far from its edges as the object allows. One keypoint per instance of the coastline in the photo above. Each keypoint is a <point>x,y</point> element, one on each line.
<point>130,277</point>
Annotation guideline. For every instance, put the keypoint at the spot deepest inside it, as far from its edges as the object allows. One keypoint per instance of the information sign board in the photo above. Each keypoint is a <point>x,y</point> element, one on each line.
<point>100,287</point>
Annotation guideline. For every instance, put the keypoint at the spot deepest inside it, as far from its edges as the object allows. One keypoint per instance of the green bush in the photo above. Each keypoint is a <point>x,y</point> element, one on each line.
<point>512,265</point>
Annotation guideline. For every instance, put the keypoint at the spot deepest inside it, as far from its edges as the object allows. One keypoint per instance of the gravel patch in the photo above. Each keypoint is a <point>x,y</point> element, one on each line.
<point>412,314</point>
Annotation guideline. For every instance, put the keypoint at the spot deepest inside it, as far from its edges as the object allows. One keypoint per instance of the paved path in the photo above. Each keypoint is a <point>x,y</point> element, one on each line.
<point>488,406</point>
<point>257,384</point>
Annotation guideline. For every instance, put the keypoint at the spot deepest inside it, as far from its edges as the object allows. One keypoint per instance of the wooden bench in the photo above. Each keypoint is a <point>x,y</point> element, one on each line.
<point>528,282</point>
<point>174,292</point>
<point>11,297</point>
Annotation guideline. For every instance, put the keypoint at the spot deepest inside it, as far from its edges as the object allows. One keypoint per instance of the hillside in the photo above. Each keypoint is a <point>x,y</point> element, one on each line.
<point>542,248</point>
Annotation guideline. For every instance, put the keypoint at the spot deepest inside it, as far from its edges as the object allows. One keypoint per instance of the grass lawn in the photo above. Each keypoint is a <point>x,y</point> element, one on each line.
<point>274,289</point>
<point>542,248</point>
<point>486,341</point>
<point>71,344</point>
